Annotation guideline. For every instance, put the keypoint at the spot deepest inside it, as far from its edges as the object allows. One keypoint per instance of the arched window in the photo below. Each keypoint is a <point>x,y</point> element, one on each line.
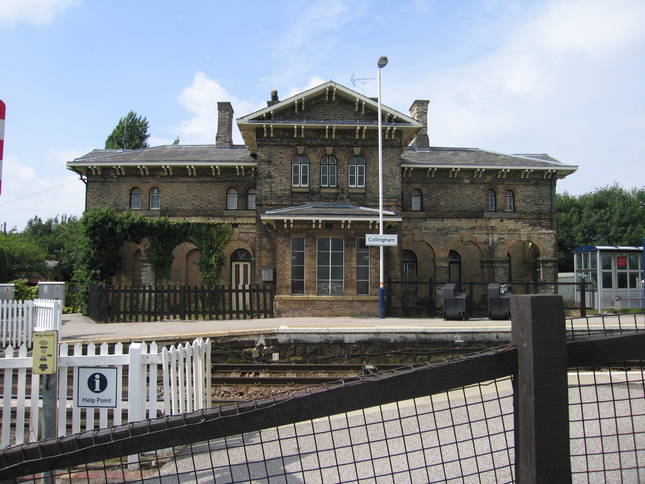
<point>231,199</point>
<point>155,199</point>
<point>251,195</point>
<point>300,171</point>
<point>417,200</point>
<point>328,172</point>
<point>356,172</point>
<point>491,201</point>
<point>241,255</point>
<point>509,201</point>
<point>409,266</point>
<point>135,199</point>
<point>454,267</point>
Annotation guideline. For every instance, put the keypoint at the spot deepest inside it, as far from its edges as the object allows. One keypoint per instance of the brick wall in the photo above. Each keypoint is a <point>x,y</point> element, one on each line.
<point>491,245</point>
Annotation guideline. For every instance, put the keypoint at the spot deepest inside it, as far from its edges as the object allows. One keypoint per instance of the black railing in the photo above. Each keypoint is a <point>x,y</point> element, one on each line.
<point>179,302</point>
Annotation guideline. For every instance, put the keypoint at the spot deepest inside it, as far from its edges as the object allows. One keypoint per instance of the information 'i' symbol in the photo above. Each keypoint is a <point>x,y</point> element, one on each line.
<point>97,382</point>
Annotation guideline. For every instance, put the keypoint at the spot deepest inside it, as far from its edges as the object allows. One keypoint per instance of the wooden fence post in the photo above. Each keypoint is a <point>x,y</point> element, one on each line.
<point>542,452</point>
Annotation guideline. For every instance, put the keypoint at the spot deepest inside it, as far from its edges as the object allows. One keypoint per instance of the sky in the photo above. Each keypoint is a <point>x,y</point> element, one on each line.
<point>563,77</point>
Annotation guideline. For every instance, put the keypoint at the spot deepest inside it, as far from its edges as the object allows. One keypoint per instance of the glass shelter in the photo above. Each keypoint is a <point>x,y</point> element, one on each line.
<point>614,276</point>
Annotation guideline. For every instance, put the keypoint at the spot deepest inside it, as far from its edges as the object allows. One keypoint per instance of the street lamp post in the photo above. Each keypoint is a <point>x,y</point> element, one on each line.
<point>382,62</point>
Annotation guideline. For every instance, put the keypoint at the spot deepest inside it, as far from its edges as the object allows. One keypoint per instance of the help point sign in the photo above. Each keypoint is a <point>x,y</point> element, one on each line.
<point>97,387</point>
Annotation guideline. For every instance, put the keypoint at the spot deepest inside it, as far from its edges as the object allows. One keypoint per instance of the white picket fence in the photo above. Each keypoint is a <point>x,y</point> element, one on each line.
<point>184,386</point>
<point>19,319</point>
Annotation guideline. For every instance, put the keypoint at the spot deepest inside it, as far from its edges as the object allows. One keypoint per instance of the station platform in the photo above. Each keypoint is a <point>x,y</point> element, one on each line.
<point>77,328</point>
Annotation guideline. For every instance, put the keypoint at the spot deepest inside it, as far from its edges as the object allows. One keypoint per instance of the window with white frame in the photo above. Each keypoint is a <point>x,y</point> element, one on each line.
<point>231,199</point>
<point>298,265</point>
<point>509,201</point>
<point>356,172</point>
<point>135,199</point>
<point>362,267</point>
<point>417,203</point>
<point>328,172</point>
<point>491,201</point>
<point>330,266</point>
<point>155,198</point>
<point>251,196</point>
<point>300,171</point>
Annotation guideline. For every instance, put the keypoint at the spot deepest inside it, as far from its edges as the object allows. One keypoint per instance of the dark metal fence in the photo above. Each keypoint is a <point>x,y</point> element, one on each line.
<point>564,402</point>
<point>168,302</point>
<point>423,298</point>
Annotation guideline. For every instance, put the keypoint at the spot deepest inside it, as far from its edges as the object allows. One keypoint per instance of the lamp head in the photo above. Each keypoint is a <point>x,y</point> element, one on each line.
<point>382,62</point>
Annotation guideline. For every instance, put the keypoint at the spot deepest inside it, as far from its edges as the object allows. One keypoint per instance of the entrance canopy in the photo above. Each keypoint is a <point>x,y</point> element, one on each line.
<point>318,213</point>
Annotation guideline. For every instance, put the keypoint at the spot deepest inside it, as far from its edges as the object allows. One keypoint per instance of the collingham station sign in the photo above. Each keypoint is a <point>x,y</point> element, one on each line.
<point>381,239</point>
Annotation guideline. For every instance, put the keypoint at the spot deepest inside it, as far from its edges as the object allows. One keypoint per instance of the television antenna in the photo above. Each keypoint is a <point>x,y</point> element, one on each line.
<point>361,80</point>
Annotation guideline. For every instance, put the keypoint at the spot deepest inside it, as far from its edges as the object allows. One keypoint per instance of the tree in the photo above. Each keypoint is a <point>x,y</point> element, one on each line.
<point>130,134</point>
<point>19,257</point>
<point>608,216</point>
<point>59,239</point>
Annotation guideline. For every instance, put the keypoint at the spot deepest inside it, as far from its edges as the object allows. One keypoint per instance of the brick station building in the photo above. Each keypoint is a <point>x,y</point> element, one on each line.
<point>302,193</point>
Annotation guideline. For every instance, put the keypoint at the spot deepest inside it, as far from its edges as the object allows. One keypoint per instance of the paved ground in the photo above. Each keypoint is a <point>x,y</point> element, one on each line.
<point>78,328</point>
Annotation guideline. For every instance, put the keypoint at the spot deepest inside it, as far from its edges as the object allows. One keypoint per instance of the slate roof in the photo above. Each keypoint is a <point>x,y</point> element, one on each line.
<point>339,90</point>
<point>169,154</point>
<point>330,90</point>
<point>328,211</point>
<point>437,157</point>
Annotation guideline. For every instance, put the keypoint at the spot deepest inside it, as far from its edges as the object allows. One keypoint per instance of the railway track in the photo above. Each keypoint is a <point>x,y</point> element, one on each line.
<point>290,374</point>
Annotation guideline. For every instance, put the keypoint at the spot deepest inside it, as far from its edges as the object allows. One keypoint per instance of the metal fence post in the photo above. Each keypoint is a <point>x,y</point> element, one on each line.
<point>540,389</point>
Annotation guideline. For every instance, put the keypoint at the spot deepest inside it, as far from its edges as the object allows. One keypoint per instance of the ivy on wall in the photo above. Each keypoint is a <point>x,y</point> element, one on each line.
<point>103,231</point>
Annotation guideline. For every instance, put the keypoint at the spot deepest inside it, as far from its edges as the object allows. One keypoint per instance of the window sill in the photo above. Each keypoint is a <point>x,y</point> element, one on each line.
<point>356,190</point>
<point>148,213</point>
<point>290,297</point>
<point>238,213</point>
<point>329,190</point>
<point>501,215</point>
<point>414,214</point>
<point>299,189</point>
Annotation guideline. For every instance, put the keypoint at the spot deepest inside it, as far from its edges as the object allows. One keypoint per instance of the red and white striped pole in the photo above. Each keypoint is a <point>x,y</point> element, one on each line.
<point>3,111</point>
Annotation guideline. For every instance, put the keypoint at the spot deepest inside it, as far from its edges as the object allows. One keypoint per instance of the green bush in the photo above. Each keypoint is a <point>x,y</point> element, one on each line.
<point>24,292</point>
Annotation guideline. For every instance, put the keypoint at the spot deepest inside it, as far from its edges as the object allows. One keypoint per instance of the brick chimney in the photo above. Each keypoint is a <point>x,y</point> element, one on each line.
<point>419,111</point>
<point>224,137</point>
<point>274,98</point>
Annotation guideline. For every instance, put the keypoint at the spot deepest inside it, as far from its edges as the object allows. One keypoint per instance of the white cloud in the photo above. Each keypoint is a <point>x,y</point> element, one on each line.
<point>33,11</point>
<point>592,27</point>
<point>201,98</point>
<point>555,84</point>
<point>550,65</point>
<point>313,82</point>
<point>308,36</point>
<point>24,195</point>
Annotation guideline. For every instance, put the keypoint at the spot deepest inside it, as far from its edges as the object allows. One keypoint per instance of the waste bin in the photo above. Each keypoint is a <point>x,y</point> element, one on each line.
<point>455,303</point>
<point>499,301</point>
